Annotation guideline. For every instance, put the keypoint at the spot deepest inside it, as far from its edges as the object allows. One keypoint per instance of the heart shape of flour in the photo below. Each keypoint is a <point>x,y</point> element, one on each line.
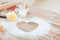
<point>19,28</point>
<point>27,26</point>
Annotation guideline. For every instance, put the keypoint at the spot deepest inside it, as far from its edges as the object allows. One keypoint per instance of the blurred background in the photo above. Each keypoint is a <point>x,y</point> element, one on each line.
<point>53,5</point>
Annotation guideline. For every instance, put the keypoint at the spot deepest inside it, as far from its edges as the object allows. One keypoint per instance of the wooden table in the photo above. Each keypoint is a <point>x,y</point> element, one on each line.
<point>53,34</point>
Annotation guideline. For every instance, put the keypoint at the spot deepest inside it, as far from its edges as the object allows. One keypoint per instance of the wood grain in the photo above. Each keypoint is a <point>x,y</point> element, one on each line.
<point>52,17</point>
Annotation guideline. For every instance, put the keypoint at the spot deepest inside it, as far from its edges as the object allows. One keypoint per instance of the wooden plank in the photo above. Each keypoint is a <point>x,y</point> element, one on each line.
<point>52,17</point>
